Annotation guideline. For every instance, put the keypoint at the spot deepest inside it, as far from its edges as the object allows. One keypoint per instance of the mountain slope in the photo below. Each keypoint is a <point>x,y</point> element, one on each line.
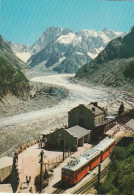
<point>7,53</point>
<point>114,66</point>
<point>12,80</point>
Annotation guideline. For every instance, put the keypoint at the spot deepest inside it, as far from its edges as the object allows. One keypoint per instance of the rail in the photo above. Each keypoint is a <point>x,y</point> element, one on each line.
<point>59,191</point>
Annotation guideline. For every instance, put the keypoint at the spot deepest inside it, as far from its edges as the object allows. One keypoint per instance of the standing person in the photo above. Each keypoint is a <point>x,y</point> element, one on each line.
<point>29,178</point>
<point>31,190</point>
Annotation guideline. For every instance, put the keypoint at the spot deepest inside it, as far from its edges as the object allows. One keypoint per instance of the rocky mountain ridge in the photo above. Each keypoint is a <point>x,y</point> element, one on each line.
<point>114,66</point>
<point>64,51</point>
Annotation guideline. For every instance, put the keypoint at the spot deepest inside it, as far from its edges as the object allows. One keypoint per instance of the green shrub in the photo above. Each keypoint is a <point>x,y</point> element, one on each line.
<point>120,179</point>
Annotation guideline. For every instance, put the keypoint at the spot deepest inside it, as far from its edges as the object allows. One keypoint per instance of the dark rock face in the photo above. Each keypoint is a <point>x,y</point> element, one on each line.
<point>127,46</point>
<point>114,65</point>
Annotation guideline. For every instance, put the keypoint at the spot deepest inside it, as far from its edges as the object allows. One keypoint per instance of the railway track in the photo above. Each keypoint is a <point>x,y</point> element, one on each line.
<point>83,189</point>
<point>59,191</point>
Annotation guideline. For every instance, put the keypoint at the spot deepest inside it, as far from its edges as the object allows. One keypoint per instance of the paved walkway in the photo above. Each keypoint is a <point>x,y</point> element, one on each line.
<point>29,166</point>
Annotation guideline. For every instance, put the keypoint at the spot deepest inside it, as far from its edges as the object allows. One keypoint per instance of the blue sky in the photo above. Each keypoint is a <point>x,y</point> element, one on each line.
<point>22,21</point>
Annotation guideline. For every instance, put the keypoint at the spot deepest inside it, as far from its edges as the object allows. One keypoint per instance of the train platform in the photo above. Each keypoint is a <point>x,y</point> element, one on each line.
<point>29,166</point>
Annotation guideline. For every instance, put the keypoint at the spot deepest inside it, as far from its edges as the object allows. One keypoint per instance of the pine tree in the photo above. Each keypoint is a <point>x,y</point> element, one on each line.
<point>121,109</point>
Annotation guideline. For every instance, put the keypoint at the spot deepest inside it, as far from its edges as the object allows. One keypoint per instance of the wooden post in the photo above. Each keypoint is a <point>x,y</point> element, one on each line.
<point>41,169</point>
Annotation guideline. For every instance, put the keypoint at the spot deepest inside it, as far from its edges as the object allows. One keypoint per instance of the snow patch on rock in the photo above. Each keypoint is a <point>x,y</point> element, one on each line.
<point>69,39</point>
<point>24,56</point>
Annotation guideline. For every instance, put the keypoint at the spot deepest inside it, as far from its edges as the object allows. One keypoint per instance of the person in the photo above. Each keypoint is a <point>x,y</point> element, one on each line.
<point>28,182</point>
<point>21,186</point>
<point>31,190</point>
<point>29,178</point>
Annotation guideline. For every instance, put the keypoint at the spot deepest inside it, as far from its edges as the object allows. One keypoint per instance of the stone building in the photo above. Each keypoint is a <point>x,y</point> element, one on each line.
<point>71,137</point>
<point>87,116</point>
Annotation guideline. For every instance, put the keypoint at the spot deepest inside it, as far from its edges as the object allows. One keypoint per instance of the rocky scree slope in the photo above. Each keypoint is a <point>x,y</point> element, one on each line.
<point>114,66</point>
<point>64,51</point>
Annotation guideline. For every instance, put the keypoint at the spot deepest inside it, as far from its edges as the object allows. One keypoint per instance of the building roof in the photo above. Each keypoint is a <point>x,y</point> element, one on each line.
<point>95,109</point>
<point>130,124</point>
<point>6,162</point>
<point>6,188</point>
<point>78,131</point>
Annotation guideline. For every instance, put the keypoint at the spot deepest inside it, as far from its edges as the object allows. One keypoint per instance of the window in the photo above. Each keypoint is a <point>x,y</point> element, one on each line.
<point>67,172</point>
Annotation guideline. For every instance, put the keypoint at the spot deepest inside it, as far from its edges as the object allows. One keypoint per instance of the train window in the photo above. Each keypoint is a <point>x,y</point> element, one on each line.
<point>79,171</point>
<point>67,172</point>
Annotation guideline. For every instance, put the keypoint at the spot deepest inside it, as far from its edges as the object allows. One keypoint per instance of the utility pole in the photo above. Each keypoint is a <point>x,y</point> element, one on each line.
<point>63,148</point>
<point>99,174</point>
<point>41,169</point>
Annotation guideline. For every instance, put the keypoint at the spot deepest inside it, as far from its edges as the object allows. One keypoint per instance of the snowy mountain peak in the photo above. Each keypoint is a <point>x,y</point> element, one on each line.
<point>62,50</point>
<point>88,33</point>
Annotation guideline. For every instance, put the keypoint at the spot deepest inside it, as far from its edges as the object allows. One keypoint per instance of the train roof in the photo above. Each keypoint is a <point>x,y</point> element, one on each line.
<point>82,160</point>
<point>88,155</point>
<point>104,144</point>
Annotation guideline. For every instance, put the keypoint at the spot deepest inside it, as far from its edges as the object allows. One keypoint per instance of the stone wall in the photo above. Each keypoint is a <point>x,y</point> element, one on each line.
<point>58,137</point>
<point>5,172</point>
<point>82,117</point>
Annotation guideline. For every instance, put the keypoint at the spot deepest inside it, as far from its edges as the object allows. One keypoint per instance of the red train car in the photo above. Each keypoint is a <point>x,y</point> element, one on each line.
<point>75,170</point>
<point>105,147</point>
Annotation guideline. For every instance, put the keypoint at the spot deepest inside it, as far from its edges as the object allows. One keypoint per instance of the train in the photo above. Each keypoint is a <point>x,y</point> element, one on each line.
<point>77,168</point>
